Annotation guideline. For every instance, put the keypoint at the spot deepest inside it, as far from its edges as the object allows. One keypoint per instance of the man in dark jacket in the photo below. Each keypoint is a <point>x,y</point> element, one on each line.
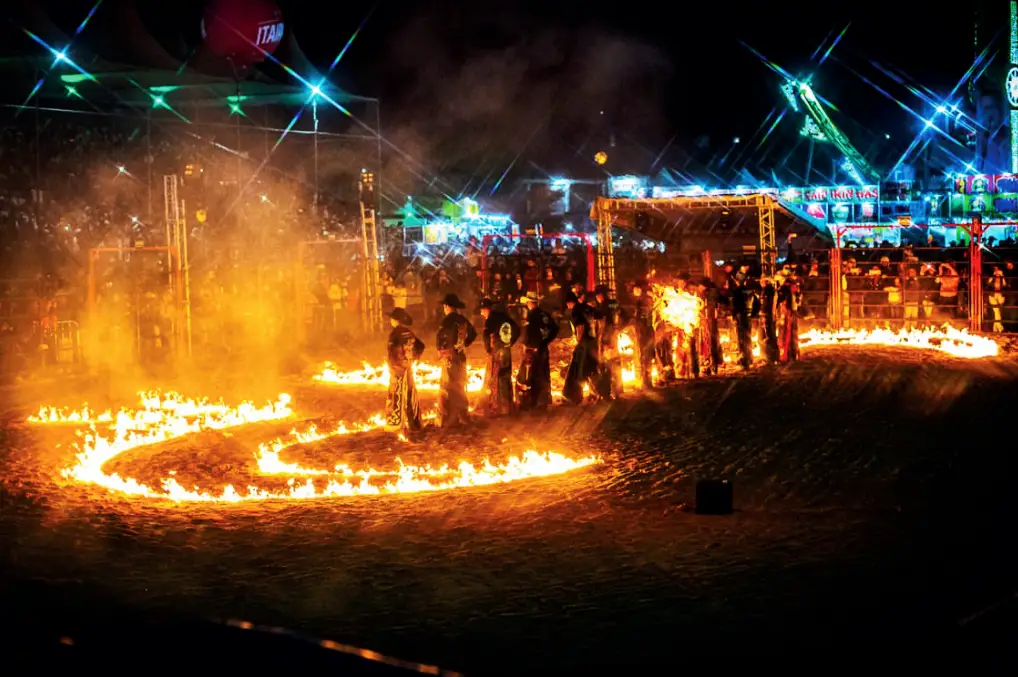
<point>534,377</point>
<point>455,334</point>
<point>500,334</point>
<point>583,367</point>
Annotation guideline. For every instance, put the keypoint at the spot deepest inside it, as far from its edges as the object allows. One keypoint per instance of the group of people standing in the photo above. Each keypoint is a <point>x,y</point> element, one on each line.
<point>670,351</point>
<point>775,302</point>
<point>664,351</point>
<point>532,387</point>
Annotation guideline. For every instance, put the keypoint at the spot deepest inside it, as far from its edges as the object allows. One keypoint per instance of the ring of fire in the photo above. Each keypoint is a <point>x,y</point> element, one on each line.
<point>165,417</point>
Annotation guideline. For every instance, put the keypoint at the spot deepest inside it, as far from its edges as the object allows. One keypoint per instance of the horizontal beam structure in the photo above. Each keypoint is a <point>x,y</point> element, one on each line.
<point>685,203</point>
<point>669,219</point>
<point>138,86</point>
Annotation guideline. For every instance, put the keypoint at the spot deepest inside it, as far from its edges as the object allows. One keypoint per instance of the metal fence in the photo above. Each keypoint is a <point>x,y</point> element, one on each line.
<point>900,287</point>
<point>999,285</point>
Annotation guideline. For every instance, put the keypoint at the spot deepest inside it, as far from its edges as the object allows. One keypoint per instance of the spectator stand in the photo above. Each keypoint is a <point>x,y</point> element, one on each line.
<point>38,325</point>
<point>876,286</point>
<point>330,289</point>
<point>540,257</point>
<point>153,298</point>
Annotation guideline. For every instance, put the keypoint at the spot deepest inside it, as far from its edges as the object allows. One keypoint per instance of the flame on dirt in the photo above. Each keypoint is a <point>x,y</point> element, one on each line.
<point>947,339</point>
<point>55,416</point>
<point>730,346</point>
<point>405,478</point>
<point>163,417</point>
<point>426,376</point>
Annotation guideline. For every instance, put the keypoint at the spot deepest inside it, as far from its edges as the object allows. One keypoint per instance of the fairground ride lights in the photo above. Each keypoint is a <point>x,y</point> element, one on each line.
<point>163,417</point>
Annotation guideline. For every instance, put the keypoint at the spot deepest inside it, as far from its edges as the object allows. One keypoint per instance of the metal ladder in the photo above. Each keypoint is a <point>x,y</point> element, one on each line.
<point>176,236</point>
<point>171,218</point>
<point>605,249</point>
<point>371,308</point>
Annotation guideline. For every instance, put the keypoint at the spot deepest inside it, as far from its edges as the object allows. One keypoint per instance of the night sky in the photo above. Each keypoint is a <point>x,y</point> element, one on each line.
<point>462,81</point>
<point>687,70</point>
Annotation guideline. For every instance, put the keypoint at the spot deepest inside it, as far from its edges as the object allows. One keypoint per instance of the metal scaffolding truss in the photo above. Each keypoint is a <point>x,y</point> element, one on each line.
<point>608,209</point>
<point>605,250</point>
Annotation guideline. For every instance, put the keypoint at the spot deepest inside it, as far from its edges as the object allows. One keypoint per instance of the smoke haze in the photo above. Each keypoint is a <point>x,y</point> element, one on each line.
<point>464,107</point>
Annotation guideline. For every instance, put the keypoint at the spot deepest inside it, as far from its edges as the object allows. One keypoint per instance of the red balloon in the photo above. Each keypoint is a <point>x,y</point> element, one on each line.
<point>242,30</point>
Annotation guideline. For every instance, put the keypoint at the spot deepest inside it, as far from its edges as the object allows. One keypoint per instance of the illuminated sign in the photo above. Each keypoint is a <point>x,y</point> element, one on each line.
<point>269,33</point>
<point>628,187</point>
<point>831,194</point>
<point>1011,86</point>
<point>435,233</point>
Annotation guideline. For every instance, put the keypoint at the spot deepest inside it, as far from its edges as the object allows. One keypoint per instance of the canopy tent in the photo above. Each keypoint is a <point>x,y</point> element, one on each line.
<point>133,51</point>
<point>115,84</point>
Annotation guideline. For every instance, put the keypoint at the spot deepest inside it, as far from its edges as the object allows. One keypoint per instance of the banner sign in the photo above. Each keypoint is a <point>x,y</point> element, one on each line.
<point>847,194</point>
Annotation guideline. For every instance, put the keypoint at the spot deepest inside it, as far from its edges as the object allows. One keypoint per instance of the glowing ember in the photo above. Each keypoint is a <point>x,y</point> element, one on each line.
<point>678,308</point>
<point>730,346</point>
<point>957,342</point>
<point>166,417</point>
<point>426,376</point>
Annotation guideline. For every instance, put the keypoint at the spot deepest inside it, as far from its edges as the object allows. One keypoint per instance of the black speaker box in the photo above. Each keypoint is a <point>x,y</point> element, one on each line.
<point>713,497</point>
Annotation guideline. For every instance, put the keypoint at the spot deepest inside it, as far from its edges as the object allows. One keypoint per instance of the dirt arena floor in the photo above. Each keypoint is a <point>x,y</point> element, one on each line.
<point>875,509</point>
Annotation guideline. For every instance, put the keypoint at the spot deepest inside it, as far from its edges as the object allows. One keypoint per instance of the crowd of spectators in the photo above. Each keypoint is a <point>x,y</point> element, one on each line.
<point>67,186</point>
<point>912,286</point>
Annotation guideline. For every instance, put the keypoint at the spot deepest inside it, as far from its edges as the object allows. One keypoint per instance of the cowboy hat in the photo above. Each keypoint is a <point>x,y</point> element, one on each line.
<point>453,301</point>
<point>402,316</point>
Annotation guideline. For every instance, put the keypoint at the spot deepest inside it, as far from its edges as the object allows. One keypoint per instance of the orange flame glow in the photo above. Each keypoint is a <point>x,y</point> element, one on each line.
<point>947,339</point>
<point>678,308</point>
<point>426,376</point>
<point>165,417</point>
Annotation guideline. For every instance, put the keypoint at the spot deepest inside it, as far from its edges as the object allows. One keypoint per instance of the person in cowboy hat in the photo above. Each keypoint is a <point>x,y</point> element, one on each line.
<point>534,377</point>
<point>739,297</point>
<point>500,334</point>
<point>711,356</point>
<point>455,334</point>
<point>402,406</point>
<point>610,319</point>
<point>787,300</point>
<point>583,367</point>
<point>769,319</point>
<point>643,326</point>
